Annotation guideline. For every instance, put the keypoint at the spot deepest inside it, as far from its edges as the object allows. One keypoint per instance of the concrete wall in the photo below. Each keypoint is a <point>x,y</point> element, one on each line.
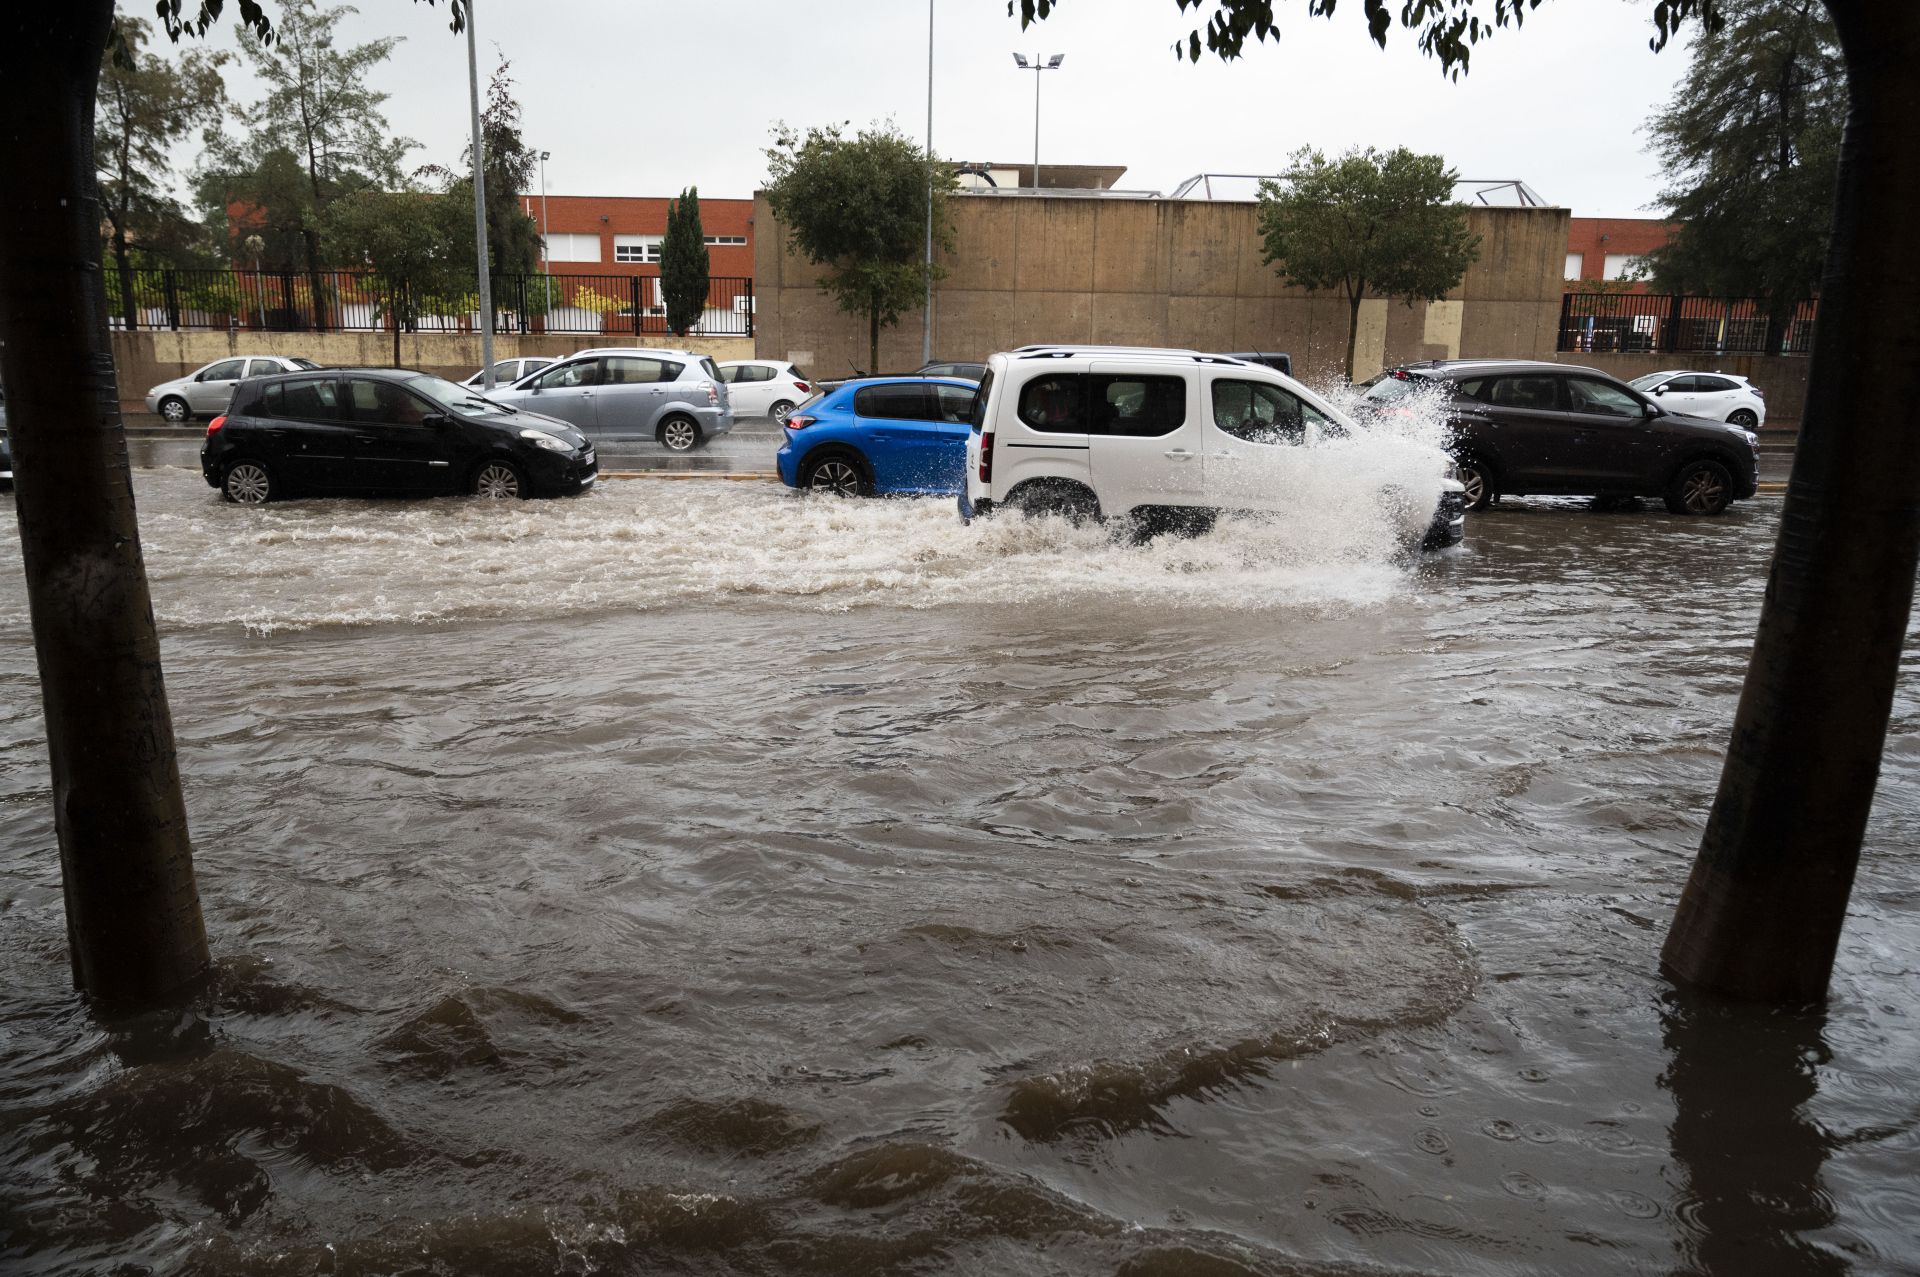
<point>1783,378</point>
<point>1160,273</point>
<point>146,358</point>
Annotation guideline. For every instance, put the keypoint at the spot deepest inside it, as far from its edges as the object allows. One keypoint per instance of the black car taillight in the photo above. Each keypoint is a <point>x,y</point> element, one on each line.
<point>213,427</point>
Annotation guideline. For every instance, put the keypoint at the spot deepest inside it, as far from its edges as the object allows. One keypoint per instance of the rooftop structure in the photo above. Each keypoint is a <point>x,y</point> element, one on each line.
<point>1245,187</point>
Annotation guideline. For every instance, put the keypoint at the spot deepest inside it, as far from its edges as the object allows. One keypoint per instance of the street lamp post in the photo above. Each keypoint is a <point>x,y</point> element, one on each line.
<point>480,210</point>
<point>546,265</point>
<point>1040,63</point>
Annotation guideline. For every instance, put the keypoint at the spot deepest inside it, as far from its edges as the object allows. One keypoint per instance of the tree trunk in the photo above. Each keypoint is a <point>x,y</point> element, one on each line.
<point>133,915</point>
<point>1353,328</point>
<point>873,341</point>
<point>311,239</point>
<point>1761,915</point>
<point>129,313</point>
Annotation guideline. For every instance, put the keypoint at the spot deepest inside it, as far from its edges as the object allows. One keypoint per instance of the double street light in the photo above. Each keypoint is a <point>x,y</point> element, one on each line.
<point>1040,63</point>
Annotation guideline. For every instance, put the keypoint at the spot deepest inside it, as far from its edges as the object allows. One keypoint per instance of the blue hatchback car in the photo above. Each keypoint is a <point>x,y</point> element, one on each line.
<point>896,435</point>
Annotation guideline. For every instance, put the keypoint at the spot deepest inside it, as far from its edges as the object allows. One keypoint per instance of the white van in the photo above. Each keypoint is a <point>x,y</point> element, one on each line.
<point>1166,437</point>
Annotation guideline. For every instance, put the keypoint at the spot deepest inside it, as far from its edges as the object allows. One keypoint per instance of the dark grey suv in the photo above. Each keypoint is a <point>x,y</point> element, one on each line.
<point>1525,426</point>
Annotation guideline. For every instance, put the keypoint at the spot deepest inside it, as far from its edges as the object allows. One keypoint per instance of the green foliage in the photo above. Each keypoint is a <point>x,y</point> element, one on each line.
<point>145,105</point>
<point>319,133</point>
<point>1445,30</point>
<point>858,206</point>
<point>1369,224</point>
<point>683,263</point>
<point>1750,147</point>
<point>513,238</point>
<point>423,239</point>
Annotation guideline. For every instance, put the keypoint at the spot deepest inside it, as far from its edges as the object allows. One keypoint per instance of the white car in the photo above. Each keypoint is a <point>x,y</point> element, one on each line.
<point>765,387</point>
<point>1169,438</point>
<point>205,392</point>
<point>508,371</point>
<point>1717,396</point>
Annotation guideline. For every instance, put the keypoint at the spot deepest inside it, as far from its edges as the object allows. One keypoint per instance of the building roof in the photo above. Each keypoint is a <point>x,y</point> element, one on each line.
<point>1245,188</point>
<point>1079,177</point>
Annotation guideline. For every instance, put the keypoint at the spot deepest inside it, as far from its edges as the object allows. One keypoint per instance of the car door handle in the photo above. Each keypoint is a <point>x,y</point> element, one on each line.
<point>1179,454</point>
<point>366,439</point>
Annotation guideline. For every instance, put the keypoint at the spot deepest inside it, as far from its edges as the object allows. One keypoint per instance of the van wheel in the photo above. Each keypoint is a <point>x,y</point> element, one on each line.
<point>1068,501</point>
<point>1476,476</point>
<point>1700,487</point>
<point>680,434</point>
<point>248,483</point>
<point>836,474</point>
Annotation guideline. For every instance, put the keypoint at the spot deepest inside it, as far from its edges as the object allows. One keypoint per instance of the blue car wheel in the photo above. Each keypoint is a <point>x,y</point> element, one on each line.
<point>835,473</point>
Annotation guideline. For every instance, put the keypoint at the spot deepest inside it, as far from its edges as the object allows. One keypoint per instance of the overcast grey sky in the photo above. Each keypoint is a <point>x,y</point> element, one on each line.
<point>644,97</point>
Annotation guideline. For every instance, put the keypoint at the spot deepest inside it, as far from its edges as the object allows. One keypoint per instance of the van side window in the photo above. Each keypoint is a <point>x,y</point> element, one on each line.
<point>1056,403</point>
<point>1259,412</point>
<point>1134,404</point>
<point>979,413</point>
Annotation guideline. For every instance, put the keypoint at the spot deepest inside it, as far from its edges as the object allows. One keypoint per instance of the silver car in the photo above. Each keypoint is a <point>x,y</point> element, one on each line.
<point>206,392</point>
<point>508,371</point>
<point>627,393</point>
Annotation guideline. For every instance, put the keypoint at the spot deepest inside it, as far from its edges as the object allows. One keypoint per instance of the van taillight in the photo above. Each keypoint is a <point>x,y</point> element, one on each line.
<point>986,456</point>
<point>214,425</point>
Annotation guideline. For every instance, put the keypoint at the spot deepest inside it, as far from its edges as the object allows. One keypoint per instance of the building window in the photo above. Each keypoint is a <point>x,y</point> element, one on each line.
<point>636,248</point>
<point>1576,265</point>
<point>727,239</point>
<point>1625,266</point>
<point>573,248</point>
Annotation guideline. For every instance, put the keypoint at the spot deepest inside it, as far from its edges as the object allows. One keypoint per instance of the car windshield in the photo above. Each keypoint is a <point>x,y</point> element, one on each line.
<point>1649,381</point>
<point>458,398</point>
<point>1388,387</point>
<point>303,363</point>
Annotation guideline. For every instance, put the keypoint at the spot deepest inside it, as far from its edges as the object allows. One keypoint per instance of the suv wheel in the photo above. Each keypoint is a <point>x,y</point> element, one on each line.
<point>679,434</point>
<point>1700,487</point>
<point>1477,478</point>
<point>1744,418</point>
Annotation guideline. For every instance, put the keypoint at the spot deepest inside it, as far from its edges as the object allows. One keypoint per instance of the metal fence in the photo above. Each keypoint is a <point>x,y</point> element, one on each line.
<point>1646,322</point>
<point>359,301</point>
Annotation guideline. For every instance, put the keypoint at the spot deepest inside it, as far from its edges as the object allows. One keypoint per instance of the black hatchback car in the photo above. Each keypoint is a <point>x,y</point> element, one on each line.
<point>1526,426</point>
<point>374,431</point>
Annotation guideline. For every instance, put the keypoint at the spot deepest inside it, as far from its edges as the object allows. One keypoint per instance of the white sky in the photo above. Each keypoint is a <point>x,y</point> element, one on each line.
<point>644,97</point>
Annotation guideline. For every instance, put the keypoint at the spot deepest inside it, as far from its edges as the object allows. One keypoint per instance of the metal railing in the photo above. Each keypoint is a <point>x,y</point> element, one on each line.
<point>360,301</point>
<point>1600,323</point>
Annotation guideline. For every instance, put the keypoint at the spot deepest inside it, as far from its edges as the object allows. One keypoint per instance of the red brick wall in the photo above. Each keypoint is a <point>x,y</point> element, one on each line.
<point>610,215</point>
<point>1595,238</point>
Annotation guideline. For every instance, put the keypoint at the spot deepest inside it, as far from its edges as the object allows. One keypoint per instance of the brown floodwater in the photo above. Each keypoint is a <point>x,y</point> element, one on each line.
<point>690,878</point>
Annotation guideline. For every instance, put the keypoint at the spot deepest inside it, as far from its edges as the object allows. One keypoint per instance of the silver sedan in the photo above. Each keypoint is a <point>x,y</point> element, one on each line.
<point>207,391</point>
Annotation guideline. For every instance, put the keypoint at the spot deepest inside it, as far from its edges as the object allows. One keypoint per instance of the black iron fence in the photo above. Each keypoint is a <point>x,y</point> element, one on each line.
<point>359,301</point>
<point>1645,322</point>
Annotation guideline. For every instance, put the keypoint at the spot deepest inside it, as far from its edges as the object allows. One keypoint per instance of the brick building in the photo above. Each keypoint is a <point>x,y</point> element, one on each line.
<point>1605,247</point>
<point>620,234</point>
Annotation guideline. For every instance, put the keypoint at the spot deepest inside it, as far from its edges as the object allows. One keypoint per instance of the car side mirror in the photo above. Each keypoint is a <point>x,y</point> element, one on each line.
<point>1650,410</point>
<point>436,420</point>
<point>1660,389</point>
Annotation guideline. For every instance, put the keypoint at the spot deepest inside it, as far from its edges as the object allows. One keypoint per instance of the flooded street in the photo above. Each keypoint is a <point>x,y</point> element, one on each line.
<point>695,878</point>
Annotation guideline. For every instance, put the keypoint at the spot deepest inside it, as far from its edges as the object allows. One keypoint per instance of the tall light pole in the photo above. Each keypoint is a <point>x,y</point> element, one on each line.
<point>1037,66</point>
<point>546,266</point>
<point>480,210</point>
<point>926,316</point>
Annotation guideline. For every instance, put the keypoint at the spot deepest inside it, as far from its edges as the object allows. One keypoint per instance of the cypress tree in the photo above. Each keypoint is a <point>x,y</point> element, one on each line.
<point>683,263</point>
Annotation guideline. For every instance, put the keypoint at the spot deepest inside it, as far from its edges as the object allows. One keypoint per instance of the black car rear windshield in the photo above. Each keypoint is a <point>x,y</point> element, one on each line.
<point>1389,386</point>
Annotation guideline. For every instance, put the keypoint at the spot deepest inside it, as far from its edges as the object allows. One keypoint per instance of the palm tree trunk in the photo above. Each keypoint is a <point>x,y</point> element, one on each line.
<point>1761,915</point>
<point>133,914</point>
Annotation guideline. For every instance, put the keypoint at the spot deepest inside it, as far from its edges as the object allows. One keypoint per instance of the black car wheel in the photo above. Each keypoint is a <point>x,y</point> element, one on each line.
<point>499,481</point>
<point>680,434</point>
<point>1477,478</point>
<point>779,411</point>
<point>835,474</point>
<point>247,483</point>
<point>1744,418</point>
<point>1700,487</point>
<point>175,409</point>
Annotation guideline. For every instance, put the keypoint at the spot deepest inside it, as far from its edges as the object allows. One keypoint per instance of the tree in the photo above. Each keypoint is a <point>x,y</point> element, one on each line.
<point>683,263</point>
<point>1369,224</point>
<point>420,242</point>
<point>134,928</point>
<point>145,105</point>
<point>1761,915</point>
<point>513,238</point>
<point>858,206</point>
<point>1750,146</point>
<point>320,110</point>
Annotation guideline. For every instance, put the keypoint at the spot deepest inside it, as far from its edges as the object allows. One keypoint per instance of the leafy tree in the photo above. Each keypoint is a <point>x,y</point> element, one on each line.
<point>145,105</point>
<point>421,243</point>
<point>1370,225</point>
<point>319,108</point>
<point>513,238</point>
<point>683,263</point>
<point>1762,912</point>
<point>1750,146</point>
<point>134,927</point>
<point>858,206</point>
